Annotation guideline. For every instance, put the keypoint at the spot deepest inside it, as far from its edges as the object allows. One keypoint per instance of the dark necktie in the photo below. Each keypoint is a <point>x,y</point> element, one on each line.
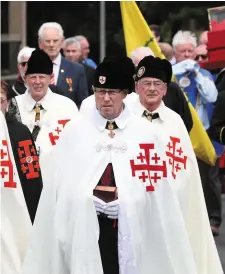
<point>150,116</point>
<point>37,128</point>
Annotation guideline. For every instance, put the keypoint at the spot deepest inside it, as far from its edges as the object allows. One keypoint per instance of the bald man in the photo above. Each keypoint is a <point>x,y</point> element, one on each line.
<point>203,38</point>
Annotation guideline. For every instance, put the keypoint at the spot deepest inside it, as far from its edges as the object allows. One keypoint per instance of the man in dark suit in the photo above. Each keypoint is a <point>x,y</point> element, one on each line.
<point>72,52</point>
<point>69,76</point>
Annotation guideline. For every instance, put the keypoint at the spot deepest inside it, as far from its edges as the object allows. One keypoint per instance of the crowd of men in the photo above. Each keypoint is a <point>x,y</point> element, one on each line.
<point>98,171</point>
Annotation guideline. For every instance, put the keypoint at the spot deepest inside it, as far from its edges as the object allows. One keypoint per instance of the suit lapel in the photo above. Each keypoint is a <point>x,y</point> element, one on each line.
<point>62,72</point>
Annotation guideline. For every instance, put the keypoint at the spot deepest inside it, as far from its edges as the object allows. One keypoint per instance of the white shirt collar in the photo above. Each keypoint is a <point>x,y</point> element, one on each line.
<point>121,120</point>
<point>138,109</point>
<point>57,60</point>
<point>45,101</point>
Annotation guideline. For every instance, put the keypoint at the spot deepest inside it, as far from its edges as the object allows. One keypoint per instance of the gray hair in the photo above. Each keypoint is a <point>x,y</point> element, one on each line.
<point>70,41</point>
<point>79,38</point>
<point>52,25</point>
<point>141,51</point>
<point>184,37</point>
<point>24,52</point>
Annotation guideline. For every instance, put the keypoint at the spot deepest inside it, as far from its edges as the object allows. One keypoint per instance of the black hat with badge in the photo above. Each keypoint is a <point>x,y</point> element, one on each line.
<point>115,73</point>
<point>154,67</point>
<point>40,63</point>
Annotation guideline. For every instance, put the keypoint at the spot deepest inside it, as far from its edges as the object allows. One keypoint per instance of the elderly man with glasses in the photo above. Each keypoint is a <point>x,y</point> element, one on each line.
<point>153,76</point>
<point>201,91</point>
<point>109,206</point>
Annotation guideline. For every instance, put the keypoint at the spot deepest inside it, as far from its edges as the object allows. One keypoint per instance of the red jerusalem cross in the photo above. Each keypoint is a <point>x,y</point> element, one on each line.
<point>28,159</point>
<point>174,155</point>
<point>6,167</point>
<point>149,166</point>
<point>54,137</point>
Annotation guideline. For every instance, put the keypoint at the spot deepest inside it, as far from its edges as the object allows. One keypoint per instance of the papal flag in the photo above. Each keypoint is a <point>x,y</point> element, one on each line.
<point>137,33</point>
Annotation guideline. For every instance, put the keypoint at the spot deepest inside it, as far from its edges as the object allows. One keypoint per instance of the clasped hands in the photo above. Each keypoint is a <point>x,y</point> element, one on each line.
<point>186,66</point>
<point>109,209</point>
<point>192,66</point>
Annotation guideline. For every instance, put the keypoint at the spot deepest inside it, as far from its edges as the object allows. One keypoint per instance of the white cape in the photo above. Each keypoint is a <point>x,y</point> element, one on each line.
<point>152,234</point>
<point>187,184</point>
<point>58,111</point>
<point>15,220</point>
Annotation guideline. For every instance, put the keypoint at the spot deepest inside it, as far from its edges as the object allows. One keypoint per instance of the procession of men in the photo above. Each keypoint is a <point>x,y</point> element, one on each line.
<point>98,171</point>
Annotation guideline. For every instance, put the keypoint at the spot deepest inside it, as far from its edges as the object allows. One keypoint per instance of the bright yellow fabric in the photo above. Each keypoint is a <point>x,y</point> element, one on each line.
<point>137,33</point>
<point>136,30</point>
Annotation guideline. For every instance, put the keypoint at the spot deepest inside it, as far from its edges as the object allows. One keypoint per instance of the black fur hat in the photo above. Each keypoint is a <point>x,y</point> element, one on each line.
<point>39,62</point>
<point>154,67</point>
<point>115,73</point>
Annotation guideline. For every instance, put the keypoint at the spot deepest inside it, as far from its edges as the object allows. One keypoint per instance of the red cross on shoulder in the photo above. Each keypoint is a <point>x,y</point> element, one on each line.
<point>54,135</point>
<point>150,168</point>
<point>28,159</point>
<point>176,161</point>
<point>6,166</point>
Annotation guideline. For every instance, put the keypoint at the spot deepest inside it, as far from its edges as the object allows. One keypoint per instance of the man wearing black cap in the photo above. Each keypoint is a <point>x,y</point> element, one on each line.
<point>42,111</point>
<point>110,207</point>
<point>152,78</point>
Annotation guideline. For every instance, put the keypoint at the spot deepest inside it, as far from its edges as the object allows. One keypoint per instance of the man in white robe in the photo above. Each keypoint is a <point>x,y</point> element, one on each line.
<point>152,78</point>
<point>15,220</point>
<point>42,111</point>
<point>140,229</point>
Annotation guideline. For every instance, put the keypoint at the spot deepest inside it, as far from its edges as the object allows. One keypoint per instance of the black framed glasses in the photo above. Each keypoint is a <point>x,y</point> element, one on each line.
<point>110,92</point>
<point>23,64</point>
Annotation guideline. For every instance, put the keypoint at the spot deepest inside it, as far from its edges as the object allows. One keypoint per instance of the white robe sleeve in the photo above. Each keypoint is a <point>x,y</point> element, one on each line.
<point>206,88</point>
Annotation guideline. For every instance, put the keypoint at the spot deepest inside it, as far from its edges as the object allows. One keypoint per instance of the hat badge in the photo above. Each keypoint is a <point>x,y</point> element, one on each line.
<point>102,80</point>
<point>141,71</point>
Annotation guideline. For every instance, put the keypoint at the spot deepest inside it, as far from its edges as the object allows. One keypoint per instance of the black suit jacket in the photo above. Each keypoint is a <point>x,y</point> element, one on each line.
<point>216,131</point>
<point>89,71</point>
<point>32,187</point>
<point>75,74</point>
<point>175,100</point>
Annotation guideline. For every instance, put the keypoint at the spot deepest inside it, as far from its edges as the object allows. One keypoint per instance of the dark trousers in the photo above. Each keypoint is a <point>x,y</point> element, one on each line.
<point>212,191</point>
<point>108,245</point>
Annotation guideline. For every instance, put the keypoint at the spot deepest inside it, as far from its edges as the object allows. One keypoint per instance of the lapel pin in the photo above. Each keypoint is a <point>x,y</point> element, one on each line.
<point>62,70</point>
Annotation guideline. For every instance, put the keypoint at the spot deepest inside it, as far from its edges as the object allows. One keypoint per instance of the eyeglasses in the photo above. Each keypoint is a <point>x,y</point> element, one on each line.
<point>148,84</point>
<point>23,64</point>
<point>102,92</point>
<point>202,56</point>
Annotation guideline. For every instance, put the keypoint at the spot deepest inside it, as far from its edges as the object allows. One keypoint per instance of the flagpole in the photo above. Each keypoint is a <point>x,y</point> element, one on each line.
<point>102,30</point>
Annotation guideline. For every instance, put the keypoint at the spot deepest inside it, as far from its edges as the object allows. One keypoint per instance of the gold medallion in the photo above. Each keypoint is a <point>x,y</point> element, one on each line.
<point>149,117</point>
